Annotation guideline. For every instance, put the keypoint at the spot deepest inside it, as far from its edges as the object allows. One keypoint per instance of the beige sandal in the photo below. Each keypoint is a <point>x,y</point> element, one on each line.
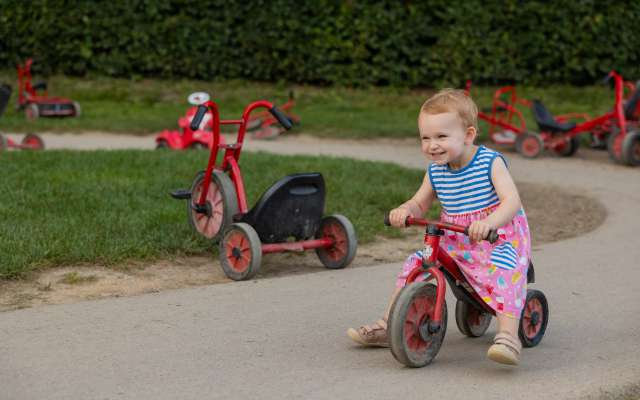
<point>374,335</point>
<point>505,349</point>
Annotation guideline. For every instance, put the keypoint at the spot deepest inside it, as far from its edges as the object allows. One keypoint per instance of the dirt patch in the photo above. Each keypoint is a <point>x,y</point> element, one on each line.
<point>554,214</point>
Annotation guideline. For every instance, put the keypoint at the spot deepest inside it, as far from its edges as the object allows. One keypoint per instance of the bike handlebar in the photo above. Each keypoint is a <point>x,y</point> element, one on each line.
<point>197,119</point>
<point>491,238</point>
<point>279,115</point>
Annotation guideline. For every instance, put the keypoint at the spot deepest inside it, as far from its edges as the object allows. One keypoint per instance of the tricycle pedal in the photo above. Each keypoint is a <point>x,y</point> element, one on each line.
<point>181,194</point>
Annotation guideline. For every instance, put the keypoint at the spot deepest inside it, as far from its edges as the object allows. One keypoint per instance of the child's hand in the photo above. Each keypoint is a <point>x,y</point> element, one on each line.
<point>398,216</point>
<point>479,230</point>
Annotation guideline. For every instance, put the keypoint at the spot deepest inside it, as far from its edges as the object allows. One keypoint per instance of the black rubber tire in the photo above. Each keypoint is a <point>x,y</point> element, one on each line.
<point>250,247</point>
<point>465,318</point>
<point>396,326</point>
<point>524,144</point>
<point>198,146</point>
<point>570,147</point>
<point>162,145</point>
<point>610,146</point>
<point>229,199</point>
<point>631,148</point>
<point>341,254</point>
<point>532,295</point>
<point>32,137</point>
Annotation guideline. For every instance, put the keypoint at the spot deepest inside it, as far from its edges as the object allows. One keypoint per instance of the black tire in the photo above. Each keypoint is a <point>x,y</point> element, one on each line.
<point>223,185</point>
<point>613,148</point>
<point>340,229</point>
<point>570,147</point>
<point>530,145</point>
<point>31,141</point>
<point>414,350</point>
<point>162,145</point>
<point>198,146</point>
<point>631,148</point>
<point>240,252</point>
<point>471,321</point>
<point>4,144</point>
<point>533,326</point>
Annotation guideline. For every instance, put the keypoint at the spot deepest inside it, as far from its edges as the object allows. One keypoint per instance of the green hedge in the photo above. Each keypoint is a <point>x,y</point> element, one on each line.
<point>420,43</point>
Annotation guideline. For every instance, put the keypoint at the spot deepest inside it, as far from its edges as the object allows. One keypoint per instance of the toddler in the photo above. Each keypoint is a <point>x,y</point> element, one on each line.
<point>475,189</point>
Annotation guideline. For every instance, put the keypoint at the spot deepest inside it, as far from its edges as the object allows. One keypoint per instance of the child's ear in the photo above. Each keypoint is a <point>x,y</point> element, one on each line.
<point>470,135</point>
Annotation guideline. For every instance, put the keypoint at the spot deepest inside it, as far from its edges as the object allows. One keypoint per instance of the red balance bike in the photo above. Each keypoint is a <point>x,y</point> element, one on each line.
<point>287,217</point>
<point>41,105</point>
<point>29,141</point>
<point>418,317</point>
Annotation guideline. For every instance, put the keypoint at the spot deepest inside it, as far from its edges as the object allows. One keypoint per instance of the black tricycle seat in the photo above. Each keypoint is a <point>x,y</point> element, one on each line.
<point>291,207</point>
<point>546,121</point>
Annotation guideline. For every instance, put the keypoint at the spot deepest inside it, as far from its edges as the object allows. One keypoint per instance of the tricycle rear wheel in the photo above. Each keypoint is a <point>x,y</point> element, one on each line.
<point>568,147</point>
<point>534,318</point>
<point>240,252</point>
<point>530,145</point>
<point>31,141</point>
<point>221,205</point>
<point>338,228</point>
<point>631,148</point>
<point>412,342</point>
<point>471,321</point>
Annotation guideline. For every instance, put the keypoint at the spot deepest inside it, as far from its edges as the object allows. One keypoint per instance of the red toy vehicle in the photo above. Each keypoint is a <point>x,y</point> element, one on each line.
<point>30,141</point>
<point>35,105</point>
<point>291,208</point>
<point>418,317</point>
<point>263,124</point>
<point>186,137</point>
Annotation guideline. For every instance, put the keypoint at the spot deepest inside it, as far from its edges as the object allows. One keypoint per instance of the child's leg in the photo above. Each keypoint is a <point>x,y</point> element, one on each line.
<point>506,345</point>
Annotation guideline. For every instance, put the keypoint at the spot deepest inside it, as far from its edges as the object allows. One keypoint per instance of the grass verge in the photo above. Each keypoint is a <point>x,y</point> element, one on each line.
<point>106,207</point>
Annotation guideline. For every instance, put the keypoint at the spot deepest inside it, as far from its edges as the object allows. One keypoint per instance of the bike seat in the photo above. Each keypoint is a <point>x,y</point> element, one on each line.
<point>5,94</point>
<point>545,120</point>
<point>291,207</point>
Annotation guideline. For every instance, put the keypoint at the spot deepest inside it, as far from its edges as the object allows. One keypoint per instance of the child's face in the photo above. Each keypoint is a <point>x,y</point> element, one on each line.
<point>444,137</point>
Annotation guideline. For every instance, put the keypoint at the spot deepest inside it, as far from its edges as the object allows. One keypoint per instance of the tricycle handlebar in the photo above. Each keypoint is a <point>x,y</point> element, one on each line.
<point>197,119</point>
<point>491,238</point>
<point>277,114</point>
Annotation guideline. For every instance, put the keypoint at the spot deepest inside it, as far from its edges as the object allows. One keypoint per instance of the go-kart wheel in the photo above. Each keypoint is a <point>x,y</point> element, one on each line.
<point>31,141</point>
<point>77,111</point>
<point>162,144</point>
<point>240,252</point>
<point>32,111</point>
<point>414,340</point>
<point>530,145</point>
<point>614,145</point>
<point>338,228</point>
<point>198,146</point>
<point>4,144</point>
<point>567,147</point>
<point>631,148</point>
<point>534,319</point>
<point>471,321</point>
<point>221,205</point>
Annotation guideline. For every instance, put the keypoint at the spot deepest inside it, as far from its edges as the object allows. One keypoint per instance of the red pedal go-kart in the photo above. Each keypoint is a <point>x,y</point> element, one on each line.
<point>418,317</point>
<point>292,208</point>
<point>29,141</point>
<point>41,105</point>
<point>186,137</point>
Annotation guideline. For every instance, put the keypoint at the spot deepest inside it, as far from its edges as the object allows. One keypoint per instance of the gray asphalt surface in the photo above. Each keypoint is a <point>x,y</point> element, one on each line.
<point>284,338</point>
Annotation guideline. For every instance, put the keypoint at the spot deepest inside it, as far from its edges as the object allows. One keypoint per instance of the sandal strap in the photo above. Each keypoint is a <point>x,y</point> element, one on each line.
<point>379,325</point>
<point>505,338</point>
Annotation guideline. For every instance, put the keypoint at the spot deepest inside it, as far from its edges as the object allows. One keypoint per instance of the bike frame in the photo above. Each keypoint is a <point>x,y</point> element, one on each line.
<point>437,262</point>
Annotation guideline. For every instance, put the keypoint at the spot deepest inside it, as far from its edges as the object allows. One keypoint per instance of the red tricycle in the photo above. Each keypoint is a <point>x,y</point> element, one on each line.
<point>287,217</point>
<point>30,141</point>
<point>187,138</point>
<point>35,105</point>
<point>418,316</point>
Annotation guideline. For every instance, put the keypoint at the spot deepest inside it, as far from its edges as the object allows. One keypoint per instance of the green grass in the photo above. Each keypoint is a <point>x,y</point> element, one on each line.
<point>148,106</point>
<point>106,207</point>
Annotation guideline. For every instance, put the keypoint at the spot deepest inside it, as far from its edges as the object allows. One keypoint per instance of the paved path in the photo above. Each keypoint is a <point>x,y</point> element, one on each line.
<point>283,338</point>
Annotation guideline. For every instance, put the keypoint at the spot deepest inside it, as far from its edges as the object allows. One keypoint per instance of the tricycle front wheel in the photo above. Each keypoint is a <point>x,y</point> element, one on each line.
<point>414,338</point>
<point>220,205</point>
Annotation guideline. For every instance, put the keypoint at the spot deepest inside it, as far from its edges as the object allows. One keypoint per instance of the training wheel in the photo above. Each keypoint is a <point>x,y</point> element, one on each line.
<point>220,205</point>
<point>31,141</point>
<point>338,228</point>
<point>240,252</point>
<point>534,319</point>
<point>471,321</point>
<point>414,340</point>
<point>530,145</point>
<point>631,148</point>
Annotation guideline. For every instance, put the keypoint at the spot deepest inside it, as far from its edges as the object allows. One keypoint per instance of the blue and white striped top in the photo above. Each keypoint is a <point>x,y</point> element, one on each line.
<point>468,189</point>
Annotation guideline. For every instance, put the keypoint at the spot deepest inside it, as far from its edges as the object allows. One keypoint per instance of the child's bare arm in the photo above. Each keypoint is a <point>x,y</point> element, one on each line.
<point>416,206</point>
